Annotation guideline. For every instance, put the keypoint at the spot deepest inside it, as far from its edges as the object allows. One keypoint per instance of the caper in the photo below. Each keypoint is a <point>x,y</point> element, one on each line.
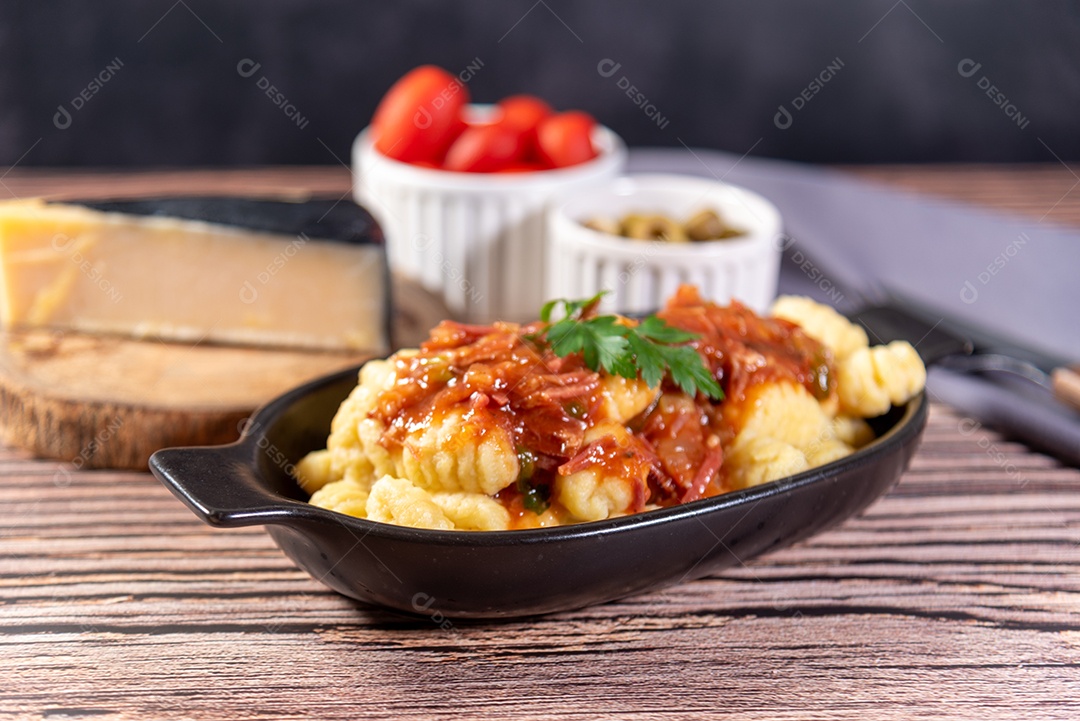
<point>705,225</point>
<point>629,222</point>
<point>654,227</point>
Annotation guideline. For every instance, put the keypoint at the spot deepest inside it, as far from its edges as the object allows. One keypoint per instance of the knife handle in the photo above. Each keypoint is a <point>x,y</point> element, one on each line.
<point>1031,416</point>
<point>1066,385</point>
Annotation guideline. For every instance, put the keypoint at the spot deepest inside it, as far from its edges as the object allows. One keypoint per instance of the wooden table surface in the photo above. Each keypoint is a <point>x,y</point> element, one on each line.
<point>955,596</point>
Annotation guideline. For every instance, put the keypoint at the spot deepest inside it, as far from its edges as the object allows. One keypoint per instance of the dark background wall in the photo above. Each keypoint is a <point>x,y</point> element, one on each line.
<point>715,72</point>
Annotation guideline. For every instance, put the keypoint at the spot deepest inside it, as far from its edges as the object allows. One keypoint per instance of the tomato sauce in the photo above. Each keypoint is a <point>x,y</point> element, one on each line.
<point>505,376</point>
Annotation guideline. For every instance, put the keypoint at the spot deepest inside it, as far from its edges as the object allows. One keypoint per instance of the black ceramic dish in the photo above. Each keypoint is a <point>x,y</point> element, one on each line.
<point>511,573</point>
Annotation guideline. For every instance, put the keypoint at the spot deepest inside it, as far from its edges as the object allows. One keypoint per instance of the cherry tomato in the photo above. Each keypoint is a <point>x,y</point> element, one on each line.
<point>566,139</point>
<point>525,112</point>
<point>484,149</point>
<point>458,127</point>
<point>417,117</point>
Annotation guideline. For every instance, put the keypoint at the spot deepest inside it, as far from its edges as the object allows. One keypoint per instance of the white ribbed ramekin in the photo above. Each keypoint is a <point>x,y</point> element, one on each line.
<point>474,239</point>
<point>641,275</point>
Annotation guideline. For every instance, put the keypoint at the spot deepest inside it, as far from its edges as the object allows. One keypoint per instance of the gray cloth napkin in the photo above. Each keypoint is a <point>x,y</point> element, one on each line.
<point>862,238</point>
<point>850,242</point>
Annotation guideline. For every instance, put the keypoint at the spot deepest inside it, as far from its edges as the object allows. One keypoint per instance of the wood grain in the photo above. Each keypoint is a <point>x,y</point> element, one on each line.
<point>109,402</point>
<point>103,402</point>
<point>955,596</point>
<point>961,586</point>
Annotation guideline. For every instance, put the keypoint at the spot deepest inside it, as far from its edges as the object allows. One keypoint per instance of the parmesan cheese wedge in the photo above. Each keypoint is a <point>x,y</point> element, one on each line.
<point>236,271</point>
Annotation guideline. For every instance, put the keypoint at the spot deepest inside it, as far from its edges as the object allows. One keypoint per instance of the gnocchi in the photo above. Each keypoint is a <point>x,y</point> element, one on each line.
<point>485,428</point>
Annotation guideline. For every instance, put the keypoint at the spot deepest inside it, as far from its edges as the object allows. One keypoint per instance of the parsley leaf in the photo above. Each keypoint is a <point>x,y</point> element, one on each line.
<point>571,308</point>
<point>595,339</point>
<point>650,360</point>
<point>689,373</point>
<point>657,329</point>
<point>649,349</point>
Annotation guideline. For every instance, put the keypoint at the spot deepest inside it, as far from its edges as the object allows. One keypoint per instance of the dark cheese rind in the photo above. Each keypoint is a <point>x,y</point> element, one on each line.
<point>334,220</point>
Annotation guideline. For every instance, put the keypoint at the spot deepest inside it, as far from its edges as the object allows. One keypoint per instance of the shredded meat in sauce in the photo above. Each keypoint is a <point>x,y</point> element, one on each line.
<point>503,377</point>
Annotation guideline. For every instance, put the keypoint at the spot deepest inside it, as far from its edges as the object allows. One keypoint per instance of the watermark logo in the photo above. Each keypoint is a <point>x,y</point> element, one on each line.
<point>451,273</point>
<point>631,269</point>
<point>423,117</point>
<point>817,276</point>
<point>967,68</point>
<point>248,292</point>
<point>423,603</point>
<point>607,68</point>
<point>784,118</point>
<point>273,453</point>
<point>969,292</point>
<point>63,117</point>
<point>94,271</point>
<point>247,68</point>
<point>969,427</point>
<point>62,477</point>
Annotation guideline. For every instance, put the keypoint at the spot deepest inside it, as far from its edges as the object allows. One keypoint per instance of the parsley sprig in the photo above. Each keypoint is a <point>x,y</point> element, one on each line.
<point>651,348</point>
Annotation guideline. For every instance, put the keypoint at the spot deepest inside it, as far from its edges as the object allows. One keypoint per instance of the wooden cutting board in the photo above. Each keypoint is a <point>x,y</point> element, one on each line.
<point>109,402</point>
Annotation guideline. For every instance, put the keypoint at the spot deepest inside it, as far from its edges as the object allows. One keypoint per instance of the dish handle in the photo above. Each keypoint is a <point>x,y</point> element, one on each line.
<point>220,486</point>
